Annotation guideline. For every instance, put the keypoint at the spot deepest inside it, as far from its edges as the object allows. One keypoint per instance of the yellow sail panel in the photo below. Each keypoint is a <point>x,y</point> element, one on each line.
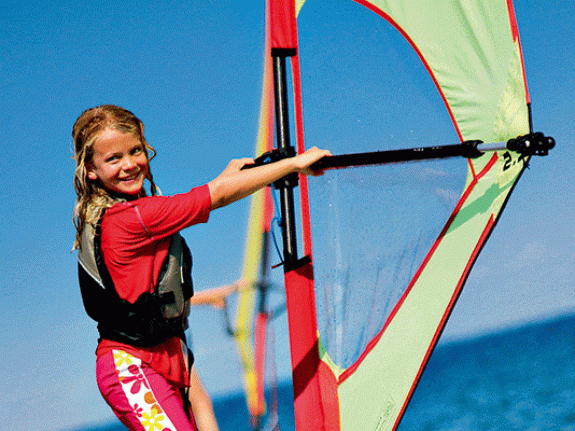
<point>246,306</point>
<point>258,226</point>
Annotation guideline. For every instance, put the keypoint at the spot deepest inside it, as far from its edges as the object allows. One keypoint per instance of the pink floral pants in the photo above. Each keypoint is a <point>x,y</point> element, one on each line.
<point>141,398</point>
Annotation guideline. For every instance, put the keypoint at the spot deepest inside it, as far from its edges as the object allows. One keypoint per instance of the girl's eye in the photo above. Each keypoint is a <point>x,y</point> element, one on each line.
<point>137,150</point>
<point>112,159</point>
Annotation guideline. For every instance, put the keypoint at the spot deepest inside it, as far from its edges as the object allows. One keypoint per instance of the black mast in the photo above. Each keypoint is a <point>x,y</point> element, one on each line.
<point>287,184</point>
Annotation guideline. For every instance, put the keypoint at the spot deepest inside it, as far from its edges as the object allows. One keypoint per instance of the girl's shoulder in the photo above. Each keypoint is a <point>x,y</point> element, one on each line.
<point>136,203</point>
<point>161,216</point>
<point>199,195</point>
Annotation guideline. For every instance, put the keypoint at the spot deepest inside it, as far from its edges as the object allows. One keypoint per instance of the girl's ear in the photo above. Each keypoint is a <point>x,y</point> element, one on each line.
<point>90,171</point>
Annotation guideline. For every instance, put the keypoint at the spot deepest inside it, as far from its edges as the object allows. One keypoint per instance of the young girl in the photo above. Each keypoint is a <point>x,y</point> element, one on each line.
<point>134,267</point>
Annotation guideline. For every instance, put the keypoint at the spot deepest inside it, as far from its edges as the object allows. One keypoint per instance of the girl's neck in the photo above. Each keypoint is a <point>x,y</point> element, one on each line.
<point>126,197</point>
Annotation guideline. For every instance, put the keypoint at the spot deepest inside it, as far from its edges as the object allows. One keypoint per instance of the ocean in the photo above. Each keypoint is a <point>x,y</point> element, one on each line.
<point>520,379</point>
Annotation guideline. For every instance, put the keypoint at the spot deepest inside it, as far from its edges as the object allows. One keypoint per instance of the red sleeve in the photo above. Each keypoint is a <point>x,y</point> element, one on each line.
<point>157,217</point>
<point>135,236</point>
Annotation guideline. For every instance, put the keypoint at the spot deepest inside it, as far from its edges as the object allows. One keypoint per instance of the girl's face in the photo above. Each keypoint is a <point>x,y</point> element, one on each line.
<point>119,162</point>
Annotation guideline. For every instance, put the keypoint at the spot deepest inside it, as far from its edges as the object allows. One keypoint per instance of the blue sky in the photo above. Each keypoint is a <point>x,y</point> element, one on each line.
<point>192,72</point>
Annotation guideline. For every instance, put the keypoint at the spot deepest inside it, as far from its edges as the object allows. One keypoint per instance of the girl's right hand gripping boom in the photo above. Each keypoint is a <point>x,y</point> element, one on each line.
<point>234,183</point>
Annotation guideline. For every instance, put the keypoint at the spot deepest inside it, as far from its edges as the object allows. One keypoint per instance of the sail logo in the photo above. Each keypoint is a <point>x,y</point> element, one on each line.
<point>388,413</point>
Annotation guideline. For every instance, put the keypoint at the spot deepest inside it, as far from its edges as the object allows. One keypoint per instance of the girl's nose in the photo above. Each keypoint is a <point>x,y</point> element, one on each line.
<point>129,163</point>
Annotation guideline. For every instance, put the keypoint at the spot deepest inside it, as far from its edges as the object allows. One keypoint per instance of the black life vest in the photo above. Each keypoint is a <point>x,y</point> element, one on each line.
<point>154,317</point>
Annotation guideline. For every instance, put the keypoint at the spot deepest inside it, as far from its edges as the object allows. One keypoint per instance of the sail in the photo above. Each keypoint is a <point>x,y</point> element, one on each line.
<point>394,245</point>
<point>251,308</point>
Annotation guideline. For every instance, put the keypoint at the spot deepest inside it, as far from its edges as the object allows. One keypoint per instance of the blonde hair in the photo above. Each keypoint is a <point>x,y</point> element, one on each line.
<point>91,197</point>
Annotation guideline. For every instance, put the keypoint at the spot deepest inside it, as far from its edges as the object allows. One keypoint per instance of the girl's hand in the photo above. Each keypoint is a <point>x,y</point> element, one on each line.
<point>234,184</point>
<point>305,160</point>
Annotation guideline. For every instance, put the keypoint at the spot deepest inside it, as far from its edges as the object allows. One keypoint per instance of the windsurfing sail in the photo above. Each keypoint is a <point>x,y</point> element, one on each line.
<point>394,244</point>
<point>252,309</point>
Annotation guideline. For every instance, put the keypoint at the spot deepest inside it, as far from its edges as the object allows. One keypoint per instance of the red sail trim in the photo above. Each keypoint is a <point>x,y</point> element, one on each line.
<point>471,167</point>
<point>349,371</point>
<point>316,407</point>
<point>260,331</point>
<point>300,142</point>
<point>517,39</point>
<point>315,402</point>
<point>283,29</point>
<point>455,296</point>
<point>421,57</point>
<point>329,397</point>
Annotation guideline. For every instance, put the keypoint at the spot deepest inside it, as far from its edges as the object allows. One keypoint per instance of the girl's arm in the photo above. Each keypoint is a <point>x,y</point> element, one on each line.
<point>216,296</point>
<point>234,184</point>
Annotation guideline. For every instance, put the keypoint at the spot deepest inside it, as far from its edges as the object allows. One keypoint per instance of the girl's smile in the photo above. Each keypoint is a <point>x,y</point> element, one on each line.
<point>119,162</point>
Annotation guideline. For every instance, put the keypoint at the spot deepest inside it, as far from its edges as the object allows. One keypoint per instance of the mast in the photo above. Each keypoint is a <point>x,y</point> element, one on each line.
<point>310,414</point>
<point>286,149</point>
